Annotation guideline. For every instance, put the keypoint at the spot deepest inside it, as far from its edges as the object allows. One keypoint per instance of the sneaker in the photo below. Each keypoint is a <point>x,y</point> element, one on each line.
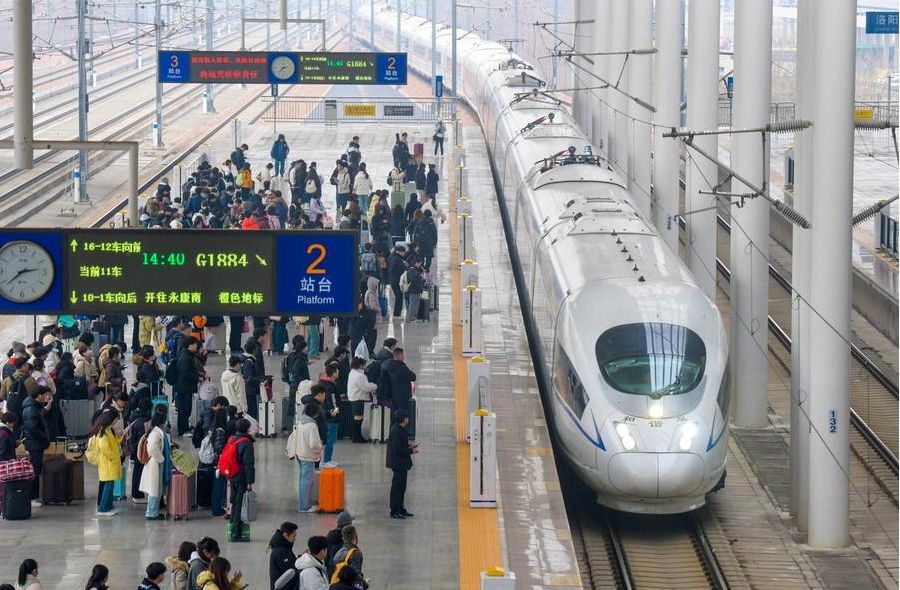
<point>406,514</point>
<point>36,503</point>
<point>157,517</point>
<point>139,500</point>
<point>107,513</point>
<point>312,509</point>
<point>398,516</point>
<point>240,540</point>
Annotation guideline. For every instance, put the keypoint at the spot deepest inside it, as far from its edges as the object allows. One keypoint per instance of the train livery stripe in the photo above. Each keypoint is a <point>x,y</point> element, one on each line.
<point>562,403</point>
<point>712,443</point>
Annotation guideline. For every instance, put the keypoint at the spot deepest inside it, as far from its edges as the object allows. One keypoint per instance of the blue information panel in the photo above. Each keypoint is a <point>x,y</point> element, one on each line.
<point>883,23</point>
<point>390,68</point>
<point>30,276</point>
<point>318,272</point>
<point>174,66</point>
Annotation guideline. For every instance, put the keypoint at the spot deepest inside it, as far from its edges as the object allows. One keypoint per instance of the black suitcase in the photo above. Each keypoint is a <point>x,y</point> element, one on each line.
<point>205,477</point>
<point>413,411</point>
<point>422,313</point>
<point>17,500</point>
<point>287,413</point>
<point>345,426</point>
<point>58,480</point>
<point>433,298</point>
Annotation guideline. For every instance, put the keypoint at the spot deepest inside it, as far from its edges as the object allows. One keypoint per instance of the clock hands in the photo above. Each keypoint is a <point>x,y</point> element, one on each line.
<point>20,273</point>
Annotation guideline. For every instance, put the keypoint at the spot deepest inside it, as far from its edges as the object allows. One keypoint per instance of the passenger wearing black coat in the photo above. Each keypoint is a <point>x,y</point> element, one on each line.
<point>189,375</point>
<point>36,433</point>
<point>431,182</point>
<point>245,478</point>
<point>282,557</point>
<point>7,440</point>
<point>399,460</point>
<point>401,379</point>
<point>396,267</point>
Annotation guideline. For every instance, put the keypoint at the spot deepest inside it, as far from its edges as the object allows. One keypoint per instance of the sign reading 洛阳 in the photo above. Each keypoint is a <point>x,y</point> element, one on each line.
<point>218,272</point>
<point>883,22</point>
<point>166,271</point>
<point>262,67</point>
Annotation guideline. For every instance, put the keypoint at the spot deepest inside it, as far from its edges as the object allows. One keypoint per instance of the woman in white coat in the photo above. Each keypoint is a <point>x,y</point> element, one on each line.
<point>155,478</point>
<point>359,392</point>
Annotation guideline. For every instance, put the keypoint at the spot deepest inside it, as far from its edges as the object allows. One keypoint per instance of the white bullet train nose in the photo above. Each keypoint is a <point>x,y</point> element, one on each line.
<point>656,475</point>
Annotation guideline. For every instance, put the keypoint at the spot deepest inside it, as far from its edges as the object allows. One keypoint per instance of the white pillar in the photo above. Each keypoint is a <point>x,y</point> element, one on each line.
<point>639,86</point>
<point>617,75</point>
<point>23,81</point>
<point>829,400</point>
<point>599,111</point>
<point>702,114</point>
<point>749,284</point>
<point>803,191</point>
<point>667,100</point>
<point>584,43</point>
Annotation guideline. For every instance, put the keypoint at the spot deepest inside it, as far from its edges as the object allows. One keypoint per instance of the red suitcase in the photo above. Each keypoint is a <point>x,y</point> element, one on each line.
<point>418,151</point>
<point>331,489</point>
<point>179,496</point>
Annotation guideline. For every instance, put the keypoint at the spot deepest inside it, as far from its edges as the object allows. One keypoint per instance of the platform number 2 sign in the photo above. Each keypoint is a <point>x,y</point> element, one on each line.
<point>832,421</point>
<point>314,268</point>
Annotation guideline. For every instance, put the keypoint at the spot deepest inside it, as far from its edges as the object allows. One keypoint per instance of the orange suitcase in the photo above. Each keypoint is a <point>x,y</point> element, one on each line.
<point>331,489</point>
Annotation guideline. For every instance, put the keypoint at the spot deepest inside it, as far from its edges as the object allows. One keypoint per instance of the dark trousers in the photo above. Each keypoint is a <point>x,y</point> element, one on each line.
<point>37,461</point>
<point>237,329</point>
<point>398,490</point>
<point>398,299</point>
<point>253,405</point>
<point>136,478</point>
<point>183,405</point>
<point>439,143</point>
<point>238,487</point>
<point>217,497</point>
<point>116,335</point>
<point>135,334</point>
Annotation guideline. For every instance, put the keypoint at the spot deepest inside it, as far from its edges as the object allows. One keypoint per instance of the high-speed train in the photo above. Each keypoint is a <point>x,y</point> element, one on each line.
<point>633,354</point>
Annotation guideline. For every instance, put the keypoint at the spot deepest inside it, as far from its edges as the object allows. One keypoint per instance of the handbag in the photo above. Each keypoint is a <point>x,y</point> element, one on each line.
<point>207,454</point>
<point>249,506</point>
<point>16,469</point>
<point>424,296</point>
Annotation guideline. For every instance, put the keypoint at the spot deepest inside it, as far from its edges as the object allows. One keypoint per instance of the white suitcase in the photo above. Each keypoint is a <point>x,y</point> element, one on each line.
<point>380,424</point>
<point>267,427</point>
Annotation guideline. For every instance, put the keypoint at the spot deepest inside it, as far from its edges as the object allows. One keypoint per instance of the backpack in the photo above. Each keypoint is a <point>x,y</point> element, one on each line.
<point>335,577</point>
<point>198,437</point>
<point>129,440</point>
<point>207,453</point>
<point>228,460</point>
<point>373,372</point>
<point>16,396</point>
<point>426,235</point>
<point>171,347</point>
<point>143,454</point>
<point>172,371</point>
<point>368,263</point>
<point>310,186</point>
<point>286,364</point>
<point>92,452</point>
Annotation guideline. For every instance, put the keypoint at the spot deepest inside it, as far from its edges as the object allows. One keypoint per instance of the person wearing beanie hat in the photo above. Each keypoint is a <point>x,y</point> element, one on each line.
<point>335,540</point>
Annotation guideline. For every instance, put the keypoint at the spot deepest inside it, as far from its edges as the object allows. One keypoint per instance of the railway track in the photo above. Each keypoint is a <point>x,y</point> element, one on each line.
<point>873,392</point>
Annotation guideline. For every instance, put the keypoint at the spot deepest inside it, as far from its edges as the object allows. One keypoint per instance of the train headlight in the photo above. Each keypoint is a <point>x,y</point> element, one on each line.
<point>656,409</point>
<point>624,433</point>
<point>688,431</point>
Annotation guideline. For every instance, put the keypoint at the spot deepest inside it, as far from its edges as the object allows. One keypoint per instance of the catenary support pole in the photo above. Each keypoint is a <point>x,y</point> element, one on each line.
<point>598,108</point>
<point>82,42</point>
<point>397,30</point>
<point>453,64</point>
<point>583,99</point>
<point>702,114</point>
<point>749,285</point>
<point>210,14</point>
<point>830,267</point>
<point>618,75</point>
<point>23,80</point>
<point>157,24</point>
<point>667,100</point>
<point>433,5</point>
<point>800,312</point>
<point>639,86</point>
<point>137,35</point>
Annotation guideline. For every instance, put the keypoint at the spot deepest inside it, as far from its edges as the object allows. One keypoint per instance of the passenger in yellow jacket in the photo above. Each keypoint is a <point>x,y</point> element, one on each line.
<point>216,576</point>
<point>109,469</point>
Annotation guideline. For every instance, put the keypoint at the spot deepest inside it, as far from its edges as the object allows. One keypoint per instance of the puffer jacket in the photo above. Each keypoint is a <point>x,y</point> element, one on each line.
<point>205,582</point>
<point>308,442</point>
<point>312,573</point>
<point>179,571</point>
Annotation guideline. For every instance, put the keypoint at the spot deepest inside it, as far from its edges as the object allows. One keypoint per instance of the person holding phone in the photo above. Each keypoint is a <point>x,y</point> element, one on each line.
<point>399,460</point>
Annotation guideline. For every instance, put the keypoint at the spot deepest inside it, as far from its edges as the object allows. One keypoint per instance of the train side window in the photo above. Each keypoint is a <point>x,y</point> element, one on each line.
<point>569,384</point>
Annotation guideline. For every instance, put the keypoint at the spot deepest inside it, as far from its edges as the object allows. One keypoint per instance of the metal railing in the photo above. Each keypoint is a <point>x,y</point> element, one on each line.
<point>888,234</point>
<point>779,112</point>
<point>358,110</point>
<point>785,111</point>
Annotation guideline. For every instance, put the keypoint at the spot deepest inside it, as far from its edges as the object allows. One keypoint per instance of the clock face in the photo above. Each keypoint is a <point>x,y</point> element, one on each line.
<point>283,67</point>
<point>26,271</point>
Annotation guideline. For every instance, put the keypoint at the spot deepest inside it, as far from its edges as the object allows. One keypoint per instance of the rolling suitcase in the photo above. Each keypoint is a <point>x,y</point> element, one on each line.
<point>380,424</point>
<point>331,489</point>
<point>288,411</point>
<point>16,500</point>
<point>433,298</point>
<point>77,416</point>
<point>58,480</point>
<point>205,477</point>
<point>418,151</point>
<point>267,419</point>
<point>120,489</point>
<point>156,390</point>
<point>413,413</point>
<point>179,503</point>
<point>77,479</point>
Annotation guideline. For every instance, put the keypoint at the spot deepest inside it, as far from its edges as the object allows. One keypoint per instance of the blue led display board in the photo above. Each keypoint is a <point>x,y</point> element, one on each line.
<point>317,272</point>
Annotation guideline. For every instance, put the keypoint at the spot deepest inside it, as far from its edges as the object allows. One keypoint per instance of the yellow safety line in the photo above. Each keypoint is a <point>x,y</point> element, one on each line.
<point>479,529</point>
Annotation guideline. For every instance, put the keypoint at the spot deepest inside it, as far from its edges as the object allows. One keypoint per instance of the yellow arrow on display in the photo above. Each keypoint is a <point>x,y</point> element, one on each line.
<point>74,245</point>
<point>262,260</point>
<point>74,298</point>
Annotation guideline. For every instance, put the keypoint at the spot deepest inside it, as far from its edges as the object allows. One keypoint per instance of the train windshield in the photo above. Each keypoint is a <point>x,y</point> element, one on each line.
<point>651,359</point>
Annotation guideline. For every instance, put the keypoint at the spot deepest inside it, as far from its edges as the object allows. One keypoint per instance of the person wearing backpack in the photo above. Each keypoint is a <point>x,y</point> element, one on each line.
<point>299,365</point>
<point>237,463</point>
<point>311,565</point>
<point>218,433</point>
<point>36,435</point>
<point>136,418</point>
<point>335,540</point>
<point>415,276</point>
<point>349,556</point>
<point>233,387</point>
<point>158,469</point>
<point>16,388</point>
<point>426,236</point>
